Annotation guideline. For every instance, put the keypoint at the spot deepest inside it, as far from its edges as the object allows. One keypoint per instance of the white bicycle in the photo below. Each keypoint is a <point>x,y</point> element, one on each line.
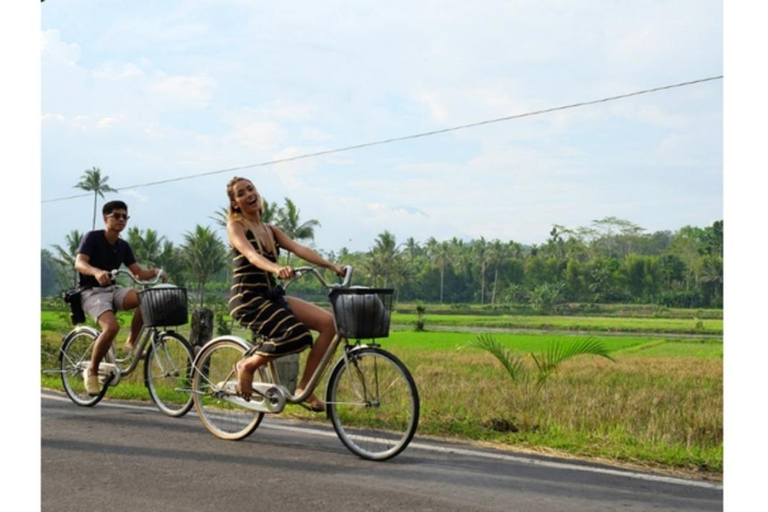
<point>371,397</point>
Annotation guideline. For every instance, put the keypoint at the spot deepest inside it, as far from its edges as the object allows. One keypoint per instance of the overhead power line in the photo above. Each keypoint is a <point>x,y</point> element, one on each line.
<point>406,137</point>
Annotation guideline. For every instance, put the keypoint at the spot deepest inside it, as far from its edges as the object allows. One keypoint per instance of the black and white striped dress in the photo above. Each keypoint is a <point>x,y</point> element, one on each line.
<point>252,305</point>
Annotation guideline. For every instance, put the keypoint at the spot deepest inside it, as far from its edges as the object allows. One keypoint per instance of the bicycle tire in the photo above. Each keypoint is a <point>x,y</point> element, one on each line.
<point>373,403</point>
<point>167,372</point>
<point>215,371</point>
<point>74,357</point>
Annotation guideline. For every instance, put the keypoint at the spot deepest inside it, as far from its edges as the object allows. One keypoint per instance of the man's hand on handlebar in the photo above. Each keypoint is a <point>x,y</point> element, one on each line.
<point>103,277</point>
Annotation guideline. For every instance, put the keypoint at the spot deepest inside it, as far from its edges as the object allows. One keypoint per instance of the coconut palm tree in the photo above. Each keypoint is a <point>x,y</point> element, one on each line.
<point>146,245</point>
<point>498,252</point>
<point>93,181</point>
<point>440,254</point>
<point>65,256</point>
<point>204,255</point>
<point>480,255</point>
<point>288,220</point>
<point>384,260</point>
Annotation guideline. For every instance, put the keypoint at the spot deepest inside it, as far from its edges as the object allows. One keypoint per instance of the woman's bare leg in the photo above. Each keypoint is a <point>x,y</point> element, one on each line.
<point>245,370</point>
<point>319,320</point>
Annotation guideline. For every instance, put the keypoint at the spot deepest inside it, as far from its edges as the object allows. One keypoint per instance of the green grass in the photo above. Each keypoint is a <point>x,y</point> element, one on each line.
<point>571,309</point>
<point>659,404</point>
<point>568,323</point>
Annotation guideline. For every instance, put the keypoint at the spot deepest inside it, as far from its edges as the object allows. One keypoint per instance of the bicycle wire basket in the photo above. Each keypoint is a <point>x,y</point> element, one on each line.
<point>362,313</point>
<point>163,306</point>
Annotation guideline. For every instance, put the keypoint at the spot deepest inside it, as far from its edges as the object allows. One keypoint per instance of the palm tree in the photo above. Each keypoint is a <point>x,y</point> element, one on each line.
<point>93,181</point>
<point>66,256</point>
<point>440,254</point>
<point>147,246</point>
<point>204,254</point>
<point>172,261</point>
<point>497,254</point>
<point>480,255</point>
<point>385,259</point>
<point>288,221</point>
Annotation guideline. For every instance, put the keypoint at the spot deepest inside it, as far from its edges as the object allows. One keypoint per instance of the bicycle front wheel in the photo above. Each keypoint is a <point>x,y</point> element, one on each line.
<point>167,370</point>
<point>214,379</point>
<point>373,403</point>
<point>74,358</point>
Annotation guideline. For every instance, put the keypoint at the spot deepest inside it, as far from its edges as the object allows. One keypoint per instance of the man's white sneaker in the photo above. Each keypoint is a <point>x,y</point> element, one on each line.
<point>92,386</point>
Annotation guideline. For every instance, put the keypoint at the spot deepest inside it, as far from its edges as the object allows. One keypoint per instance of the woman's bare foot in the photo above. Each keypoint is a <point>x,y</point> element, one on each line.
<point>244,381</point>
<point>312,402</point>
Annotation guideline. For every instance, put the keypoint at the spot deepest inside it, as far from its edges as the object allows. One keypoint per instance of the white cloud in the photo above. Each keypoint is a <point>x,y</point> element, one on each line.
<point>435,105</point>
<point>153,132</point>
<point>189,91</point>
<point>118,71</point>
<point>106,122</point>
<point>52,117</point>
<point>80,123</point>
<point>55,49</point>
<point>142,198</point>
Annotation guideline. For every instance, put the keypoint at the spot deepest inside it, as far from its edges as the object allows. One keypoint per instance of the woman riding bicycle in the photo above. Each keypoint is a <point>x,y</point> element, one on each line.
<point>259,304</point>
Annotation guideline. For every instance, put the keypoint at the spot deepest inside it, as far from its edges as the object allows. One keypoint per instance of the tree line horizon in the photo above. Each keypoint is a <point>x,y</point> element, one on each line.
<point>610,261</point>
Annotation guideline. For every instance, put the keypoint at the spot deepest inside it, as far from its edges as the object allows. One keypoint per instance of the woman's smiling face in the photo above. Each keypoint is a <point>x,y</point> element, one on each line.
<point>246,197</point>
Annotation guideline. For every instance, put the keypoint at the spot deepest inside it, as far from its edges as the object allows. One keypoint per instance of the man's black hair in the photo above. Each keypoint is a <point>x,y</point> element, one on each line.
<point>112,206</point>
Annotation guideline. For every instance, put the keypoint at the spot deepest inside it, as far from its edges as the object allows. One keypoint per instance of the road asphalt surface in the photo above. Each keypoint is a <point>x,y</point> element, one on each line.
<point>128,457</point>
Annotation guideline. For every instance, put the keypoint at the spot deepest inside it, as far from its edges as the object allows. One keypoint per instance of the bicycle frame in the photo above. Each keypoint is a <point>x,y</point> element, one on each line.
<point>146,335</point>
<point>275,394</point>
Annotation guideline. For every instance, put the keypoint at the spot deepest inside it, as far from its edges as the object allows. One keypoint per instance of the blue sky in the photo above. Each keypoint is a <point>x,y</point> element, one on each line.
<point>158,90</point>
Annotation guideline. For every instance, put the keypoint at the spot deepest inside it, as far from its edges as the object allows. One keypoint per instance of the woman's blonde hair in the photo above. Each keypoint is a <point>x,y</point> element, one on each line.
<point>233,212</point>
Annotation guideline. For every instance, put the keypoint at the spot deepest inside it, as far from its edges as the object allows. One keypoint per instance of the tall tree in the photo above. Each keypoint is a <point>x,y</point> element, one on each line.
<point>65,256</point>
<point>498,252</point>
<point>440,254</point>
<point>48,273</point>
<point>93,181</point>
<point>481,256</point>
<point>204,255</point>
<point>146,245</point>
<point>384,259</point>
<point>288,220</point>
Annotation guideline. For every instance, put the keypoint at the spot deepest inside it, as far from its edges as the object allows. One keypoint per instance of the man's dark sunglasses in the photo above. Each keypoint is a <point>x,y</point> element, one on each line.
<point>119,216</point>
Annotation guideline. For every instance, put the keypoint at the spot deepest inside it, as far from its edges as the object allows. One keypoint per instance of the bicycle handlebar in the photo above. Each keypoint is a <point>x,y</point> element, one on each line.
<point>149,282</point>
<point>301,271</point>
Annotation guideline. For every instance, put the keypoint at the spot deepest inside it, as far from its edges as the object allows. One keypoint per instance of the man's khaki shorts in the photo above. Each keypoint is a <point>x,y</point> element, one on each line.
<point>97,301</point>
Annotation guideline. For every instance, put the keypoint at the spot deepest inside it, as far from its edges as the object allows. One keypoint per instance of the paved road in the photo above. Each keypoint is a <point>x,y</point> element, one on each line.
<point>128,457</point>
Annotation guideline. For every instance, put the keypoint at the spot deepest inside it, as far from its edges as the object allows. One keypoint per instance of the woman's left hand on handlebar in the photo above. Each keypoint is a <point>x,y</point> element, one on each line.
<point>285,272</point>
<point>340,270</point>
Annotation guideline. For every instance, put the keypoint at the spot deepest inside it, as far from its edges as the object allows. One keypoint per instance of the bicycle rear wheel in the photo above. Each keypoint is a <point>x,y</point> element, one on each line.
<point>373,403</point>
<point>215,378</point>
<point>74,358</point>
<point>167,369</point>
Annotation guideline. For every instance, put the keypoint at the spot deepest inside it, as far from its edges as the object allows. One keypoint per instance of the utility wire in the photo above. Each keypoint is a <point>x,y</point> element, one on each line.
<point>407,137</point>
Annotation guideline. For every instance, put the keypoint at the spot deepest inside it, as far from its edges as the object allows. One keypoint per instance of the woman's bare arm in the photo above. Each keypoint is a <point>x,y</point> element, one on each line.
<point>304,252</point>
<point>238,239</point>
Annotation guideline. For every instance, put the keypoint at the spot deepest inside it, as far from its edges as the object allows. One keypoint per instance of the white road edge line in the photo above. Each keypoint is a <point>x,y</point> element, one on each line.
<point>461,451</point>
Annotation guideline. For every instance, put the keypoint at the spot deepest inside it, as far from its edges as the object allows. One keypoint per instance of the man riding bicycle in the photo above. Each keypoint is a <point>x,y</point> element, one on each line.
<point>100,252</point>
